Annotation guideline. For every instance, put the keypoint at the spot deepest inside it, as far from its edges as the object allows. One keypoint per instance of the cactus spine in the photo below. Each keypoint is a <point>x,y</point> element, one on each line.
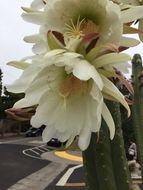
<point>137,78</point>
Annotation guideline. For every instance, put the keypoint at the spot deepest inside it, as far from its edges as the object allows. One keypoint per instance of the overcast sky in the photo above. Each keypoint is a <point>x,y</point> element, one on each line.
<point>12,31</point>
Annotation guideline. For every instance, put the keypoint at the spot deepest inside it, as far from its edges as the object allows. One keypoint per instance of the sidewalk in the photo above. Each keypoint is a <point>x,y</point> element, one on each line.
<point>11,135</point>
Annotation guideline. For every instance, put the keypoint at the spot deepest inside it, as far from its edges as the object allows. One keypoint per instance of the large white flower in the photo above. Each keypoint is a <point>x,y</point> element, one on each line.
<point>69,82</point>
<point>102,17</point>
<point>69,91</point>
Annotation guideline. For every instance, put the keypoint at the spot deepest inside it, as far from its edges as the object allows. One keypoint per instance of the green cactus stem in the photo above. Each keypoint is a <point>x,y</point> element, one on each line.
<point>98,163</point>
<point>137,78</point>
<point>105,161</point>
<point>120,165</point>
<point>91,174</point>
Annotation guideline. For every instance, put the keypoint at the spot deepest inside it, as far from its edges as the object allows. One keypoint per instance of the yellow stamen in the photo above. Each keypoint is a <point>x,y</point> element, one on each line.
<point>81,28</point>
<point>73,30</point>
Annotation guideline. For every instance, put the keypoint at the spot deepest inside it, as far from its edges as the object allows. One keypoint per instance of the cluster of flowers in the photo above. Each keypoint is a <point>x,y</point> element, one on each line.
<point>77,53</point>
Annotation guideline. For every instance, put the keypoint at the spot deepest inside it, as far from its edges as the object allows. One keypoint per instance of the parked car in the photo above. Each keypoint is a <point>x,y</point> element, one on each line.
<point>54,142</point>
<point>34,132</point>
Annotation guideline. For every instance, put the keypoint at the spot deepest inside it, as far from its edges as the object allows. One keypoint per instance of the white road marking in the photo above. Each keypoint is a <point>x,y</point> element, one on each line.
<point>44,148</point>
<point>23,139</point>
<point>36,142</point>
<point>39,149</point>
<point>66,176</point>
<point>36,150</point>
<point>12,141</point>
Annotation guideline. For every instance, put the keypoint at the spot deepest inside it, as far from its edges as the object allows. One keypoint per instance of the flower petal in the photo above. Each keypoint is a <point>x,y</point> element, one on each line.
<point>37,4</point>
<point>84,138</point>
<point>110,89</point>
<point>39,48</point>
<point>48,133</point>
<point>35,38</point>
<point>19,64</point>
<point>85,71</point>
<point>53,42</point>
<point>129,42</point>
<point>141,29</point>
<point>36,17</point>
<point>109,120</point>
<point>132,14</point>
<point>21,84</point>
<point>110,59</point>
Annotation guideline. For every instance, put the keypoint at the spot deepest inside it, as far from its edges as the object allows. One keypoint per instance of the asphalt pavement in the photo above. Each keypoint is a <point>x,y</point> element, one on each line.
<point>14,165</point>
<point>25,167</point>
<point>74,182</point>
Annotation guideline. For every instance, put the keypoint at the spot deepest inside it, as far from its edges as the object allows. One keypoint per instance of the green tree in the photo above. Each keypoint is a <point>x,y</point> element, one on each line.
<point>1,74</point>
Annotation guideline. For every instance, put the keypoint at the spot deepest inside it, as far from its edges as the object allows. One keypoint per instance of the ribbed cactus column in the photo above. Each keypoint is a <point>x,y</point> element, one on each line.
<point>105,161</point>
<point>91,174</point>
<point>119,160</point>
<point>98,163</point>
<point>137,77</point>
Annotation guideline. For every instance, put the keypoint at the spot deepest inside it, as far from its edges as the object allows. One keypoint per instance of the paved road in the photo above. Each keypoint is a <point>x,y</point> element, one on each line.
<point>28,171</point>
<point>14,165</point>
<point>74,182</point>
<point>18,171</point>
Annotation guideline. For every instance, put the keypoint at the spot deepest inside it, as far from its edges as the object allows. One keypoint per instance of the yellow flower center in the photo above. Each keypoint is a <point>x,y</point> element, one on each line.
<point>81,28</point>
<point>74,31</point>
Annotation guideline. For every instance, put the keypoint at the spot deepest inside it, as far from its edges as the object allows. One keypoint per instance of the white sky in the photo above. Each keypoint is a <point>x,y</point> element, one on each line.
<point>12,31</point>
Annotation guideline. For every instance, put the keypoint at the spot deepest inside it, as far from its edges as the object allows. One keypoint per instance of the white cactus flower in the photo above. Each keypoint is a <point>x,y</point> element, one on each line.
<point>69,91</point>
<point>69,79</point>
<point>103,17</point>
